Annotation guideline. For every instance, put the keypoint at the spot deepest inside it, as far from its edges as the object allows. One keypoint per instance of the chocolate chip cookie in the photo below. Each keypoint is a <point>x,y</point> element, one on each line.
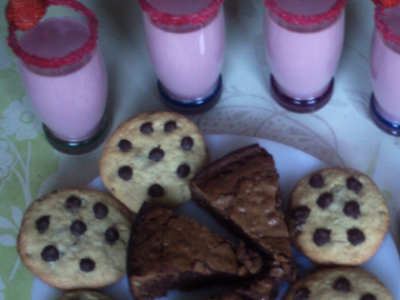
<point>152,157</point>
<point>75,238</point>
<point>350,283</point>
<point>84,295</point>
<point>337,216</point>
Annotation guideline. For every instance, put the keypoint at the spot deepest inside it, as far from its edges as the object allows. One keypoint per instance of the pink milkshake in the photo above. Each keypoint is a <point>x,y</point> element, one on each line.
<point>70,100</point>
<point>65,78</point>
<point>303,42</point>
<point>187,50</point>
<point>385,70</point>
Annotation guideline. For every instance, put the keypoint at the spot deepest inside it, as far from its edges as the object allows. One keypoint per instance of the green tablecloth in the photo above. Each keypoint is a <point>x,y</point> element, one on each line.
<point>26,163</point>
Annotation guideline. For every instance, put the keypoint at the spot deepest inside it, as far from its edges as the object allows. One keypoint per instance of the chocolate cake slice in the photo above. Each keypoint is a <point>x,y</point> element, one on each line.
<point>241,190</point>
<point>171,252</point>
<point>262,289</point>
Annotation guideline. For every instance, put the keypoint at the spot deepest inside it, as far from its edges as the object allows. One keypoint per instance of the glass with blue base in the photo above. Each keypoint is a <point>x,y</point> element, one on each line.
<point>385,70</point>
<point>186,44</point>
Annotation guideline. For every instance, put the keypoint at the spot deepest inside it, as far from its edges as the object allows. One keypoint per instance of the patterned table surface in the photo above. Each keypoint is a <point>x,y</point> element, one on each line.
<point>341,134</point>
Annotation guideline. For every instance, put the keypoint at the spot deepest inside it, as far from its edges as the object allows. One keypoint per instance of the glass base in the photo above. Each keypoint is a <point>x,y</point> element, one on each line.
<point>192,106</point>
<point>301,105</point>
<point>79,147</point>
<point>390,127</point>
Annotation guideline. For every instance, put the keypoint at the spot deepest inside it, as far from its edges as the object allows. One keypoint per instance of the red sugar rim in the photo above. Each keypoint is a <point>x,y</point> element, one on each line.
<point>380,23</point>
<point>306,20</point>
<point>57,62</point>
<point>197,18</point>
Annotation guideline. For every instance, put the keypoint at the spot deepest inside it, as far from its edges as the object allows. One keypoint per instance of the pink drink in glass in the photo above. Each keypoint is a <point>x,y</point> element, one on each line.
<point>64,75</point>
<point>187,57</point>
<point>385,70</point>
<point>70,100</point>
<point>303,56</point>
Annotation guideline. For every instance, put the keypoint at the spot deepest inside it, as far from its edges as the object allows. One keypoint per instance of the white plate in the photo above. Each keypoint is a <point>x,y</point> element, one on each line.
<point>292,165</point>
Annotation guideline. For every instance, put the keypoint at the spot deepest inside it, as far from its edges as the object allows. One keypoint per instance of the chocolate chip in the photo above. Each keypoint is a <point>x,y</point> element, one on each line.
<point>316,181</point>
<point>50,253</point>
<point>355,236</point>
<point>112,235</point>
<point>352,209</point>
<point>325,200</point>
<point>300,214</point>
<point>73,202</point>
<point>100,210</point>
<point>42,224</point>
<point>322,236</point>
<point>187,143</point>
<point>146,128</point>
<point>183,171</point>
<point>124,145</point>
<point>157,154</point>
<point>78,228</point>
<point>87,265</point>
<point>302,293</point>
<point>156,190</point>
<point>342,284</point>
<point>368,296</point>
<point>353,184</point>
<point>170,126</point>
<point>125,173</point>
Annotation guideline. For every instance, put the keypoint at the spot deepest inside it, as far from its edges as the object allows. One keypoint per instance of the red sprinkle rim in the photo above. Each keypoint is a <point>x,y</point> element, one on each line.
<point>305,20</point>
<point>58,62</point>
<point>380,23</point>
<point>197,18</point>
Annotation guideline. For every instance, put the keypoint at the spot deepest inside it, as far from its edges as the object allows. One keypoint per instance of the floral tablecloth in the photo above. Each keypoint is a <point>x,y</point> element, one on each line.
<point>341,134</point>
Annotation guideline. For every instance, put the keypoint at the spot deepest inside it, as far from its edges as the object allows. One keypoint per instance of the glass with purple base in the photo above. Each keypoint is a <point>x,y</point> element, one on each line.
<point>303,41</point>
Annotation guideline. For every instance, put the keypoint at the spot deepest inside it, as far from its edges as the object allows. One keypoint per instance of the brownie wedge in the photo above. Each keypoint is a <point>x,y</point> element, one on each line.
<point>171,252</point>
<point>261,289</point>
<point>241,190</point>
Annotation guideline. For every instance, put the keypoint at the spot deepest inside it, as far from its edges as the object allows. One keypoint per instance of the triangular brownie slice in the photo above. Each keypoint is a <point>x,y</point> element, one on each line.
<point>261,289</point>
<point>171,252</point>
<point>241,190</point>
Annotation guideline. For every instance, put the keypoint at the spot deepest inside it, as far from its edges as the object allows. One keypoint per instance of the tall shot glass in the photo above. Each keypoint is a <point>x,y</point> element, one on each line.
<point>303,41</point>
<point>385,70</point>
<point>64,75</point>
<point>186,43</point>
